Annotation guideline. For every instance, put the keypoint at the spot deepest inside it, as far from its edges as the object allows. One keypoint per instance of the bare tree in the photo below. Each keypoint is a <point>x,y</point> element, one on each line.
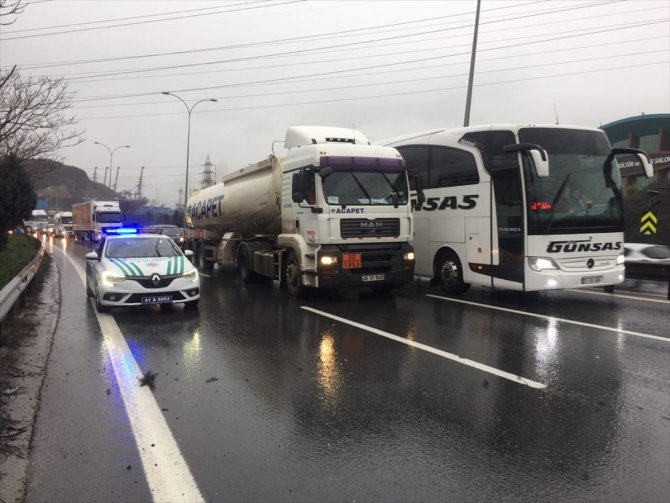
<point>10,8</point>
<point>34,118</point>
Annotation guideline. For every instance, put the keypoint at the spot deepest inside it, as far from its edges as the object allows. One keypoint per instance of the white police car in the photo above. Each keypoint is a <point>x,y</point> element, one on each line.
<point>130,269</point>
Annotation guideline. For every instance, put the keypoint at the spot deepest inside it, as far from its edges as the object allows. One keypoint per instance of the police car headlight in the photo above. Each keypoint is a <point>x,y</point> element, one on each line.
<point>192,275</point>
<point>111,278</point>
<point>541,264</point>
<point>620,259</point>
<point>328,260</point>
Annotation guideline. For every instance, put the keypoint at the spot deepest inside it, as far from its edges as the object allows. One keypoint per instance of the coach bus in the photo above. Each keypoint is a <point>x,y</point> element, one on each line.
<point>518,207</point>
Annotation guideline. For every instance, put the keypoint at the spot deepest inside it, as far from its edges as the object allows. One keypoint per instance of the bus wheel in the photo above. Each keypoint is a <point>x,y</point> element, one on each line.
<point>449,274</point>
<point>292,275</point>
<point>203,265</point>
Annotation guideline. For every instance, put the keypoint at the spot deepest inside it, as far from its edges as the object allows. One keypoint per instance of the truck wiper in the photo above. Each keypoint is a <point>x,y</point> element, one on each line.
<point>362,187</point>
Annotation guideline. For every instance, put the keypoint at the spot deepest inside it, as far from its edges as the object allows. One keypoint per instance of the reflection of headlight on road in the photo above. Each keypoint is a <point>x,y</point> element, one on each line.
<point>111,278</point>
<point>192,275</point>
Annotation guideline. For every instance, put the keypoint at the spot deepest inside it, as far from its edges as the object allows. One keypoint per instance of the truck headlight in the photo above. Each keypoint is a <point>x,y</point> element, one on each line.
<point>111,278</point>
<point>192,275</point>
<point>328,260</point>
<point>541,264</point>
<point>408,256</point>
<point>620,259</point>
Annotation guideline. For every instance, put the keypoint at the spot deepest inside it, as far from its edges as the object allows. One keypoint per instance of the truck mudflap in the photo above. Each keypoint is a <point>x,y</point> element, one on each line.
<point>365,265</point>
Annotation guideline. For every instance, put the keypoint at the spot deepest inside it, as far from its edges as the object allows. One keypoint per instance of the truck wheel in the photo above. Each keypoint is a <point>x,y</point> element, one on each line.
<point>243,269</point>
<point>292,275</point>
<point>449,274</point>
<point>203,265</point>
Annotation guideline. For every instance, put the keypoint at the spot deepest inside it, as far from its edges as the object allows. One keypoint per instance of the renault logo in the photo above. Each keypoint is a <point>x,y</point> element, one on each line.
<point>155,279</point>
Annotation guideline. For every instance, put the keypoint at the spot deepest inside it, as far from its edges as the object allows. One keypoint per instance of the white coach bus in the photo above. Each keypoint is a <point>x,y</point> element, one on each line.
<point>519,207</point>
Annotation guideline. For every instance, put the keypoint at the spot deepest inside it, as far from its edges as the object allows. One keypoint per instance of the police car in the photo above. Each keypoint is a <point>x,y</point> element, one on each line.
<point>131,269</point>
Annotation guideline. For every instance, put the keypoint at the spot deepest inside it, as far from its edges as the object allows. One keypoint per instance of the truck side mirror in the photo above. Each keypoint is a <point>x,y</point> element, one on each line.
<point>418,184</point>
<point>298,187</point>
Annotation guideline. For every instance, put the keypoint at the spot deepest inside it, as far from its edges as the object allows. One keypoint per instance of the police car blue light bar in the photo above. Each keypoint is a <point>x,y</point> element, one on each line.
<point>120,230</point>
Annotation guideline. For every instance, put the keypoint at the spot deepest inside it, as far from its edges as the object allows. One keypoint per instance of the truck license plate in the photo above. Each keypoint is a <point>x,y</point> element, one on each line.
<point>351,260</point>
<point>157,299</point>
<point>592,280</point>
<point>373,277</point>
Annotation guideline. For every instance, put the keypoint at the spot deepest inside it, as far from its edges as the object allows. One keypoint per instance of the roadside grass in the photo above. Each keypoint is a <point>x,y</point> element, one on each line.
<point>19,252</point>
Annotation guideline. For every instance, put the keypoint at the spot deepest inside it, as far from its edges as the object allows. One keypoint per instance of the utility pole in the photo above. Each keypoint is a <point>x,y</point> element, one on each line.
<point>95,174</point>
<point>116,178</point>
<point>466,120</point>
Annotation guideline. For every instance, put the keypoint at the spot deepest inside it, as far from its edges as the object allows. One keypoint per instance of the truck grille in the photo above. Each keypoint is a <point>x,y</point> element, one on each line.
<point>369,227</point>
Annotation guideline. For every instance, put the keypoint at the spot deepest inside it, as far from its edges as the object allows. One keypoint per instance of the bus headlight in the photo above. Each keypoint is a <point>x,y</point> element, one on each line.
<point>328,260</point>
<point>620,259</point>
<point>408,256</point>
<point>541,264</point>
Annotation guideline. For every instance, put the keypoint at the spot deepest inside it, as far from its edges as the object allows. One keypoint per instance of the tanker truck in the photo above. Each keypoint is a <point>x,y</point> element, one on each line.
<point>333,212</point>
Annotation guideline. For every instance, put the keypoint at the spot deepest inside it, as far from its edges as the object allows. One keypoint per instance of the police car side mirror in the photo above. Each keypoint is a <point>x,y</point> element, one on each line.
<point>92,256</point>
<point>188,253</point>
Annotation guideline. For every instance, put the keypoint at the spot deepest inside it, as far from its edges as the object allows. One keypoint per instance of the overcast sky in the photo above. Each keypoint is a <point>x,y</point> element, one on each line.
<point>383,67</point>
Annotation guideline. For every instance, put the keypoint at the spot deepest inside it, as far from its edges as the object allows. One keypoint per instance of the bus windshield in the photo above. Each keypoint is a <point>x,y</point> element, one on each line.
<point>576,197</point>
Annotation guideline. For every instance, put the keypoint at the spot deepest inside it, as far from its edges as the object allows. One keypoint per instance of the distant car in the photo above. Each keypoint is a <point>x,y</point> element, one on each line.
<point>51,229</point>
<point>129,269</point>
<point>647,261</point>
<point>171,231</point>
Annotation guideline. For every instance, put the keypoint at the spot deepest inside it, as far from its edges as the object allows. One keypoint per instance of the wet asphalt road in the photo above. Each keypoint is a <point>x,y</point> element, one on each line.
<point>269,401</point>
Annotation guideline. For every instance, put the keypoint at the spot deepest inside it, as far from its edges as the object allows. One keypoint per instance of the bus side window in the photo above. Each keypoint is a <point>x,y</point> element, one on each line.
<point>450,167</point>
<point>417,159</point>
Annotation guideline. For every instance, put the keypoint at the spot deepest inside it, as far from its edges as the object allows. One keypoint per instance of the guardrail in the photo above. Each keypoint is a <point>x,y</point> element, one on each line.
<point>650,272</point>
<point>15,291</point>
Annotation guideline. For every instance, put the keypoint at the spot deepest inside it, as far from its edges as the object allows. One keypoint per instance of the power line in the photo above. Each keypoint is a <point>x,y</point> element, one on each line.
<point>5,39</point>
<point>377,96</point>
<point>335,72</point>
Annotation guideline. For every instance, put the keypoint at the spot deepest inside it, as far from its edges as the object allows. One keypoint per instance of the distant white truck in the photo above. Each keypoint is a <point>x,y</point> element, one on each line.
<point>91,218</point>
<point>63,224</point>
<point>38,221</point>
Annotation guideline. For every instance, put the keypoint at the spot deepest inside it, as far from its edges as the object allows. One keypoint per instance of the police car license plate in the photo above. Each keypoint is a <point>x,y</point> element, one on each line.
<point>157,299</point>
<point>592,280</point>
<point>373,277</point>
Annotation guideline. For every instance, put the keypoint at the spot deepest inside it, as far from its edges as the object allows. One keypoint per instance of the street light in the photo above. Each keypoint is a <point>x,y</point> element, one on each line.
<point>111,160</point>
<point>188,136</point>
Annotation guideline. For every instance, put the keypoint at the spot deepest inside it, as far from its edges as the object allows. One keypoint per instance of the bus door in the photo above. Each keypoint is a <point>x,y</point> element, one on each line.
<point>509,228</point>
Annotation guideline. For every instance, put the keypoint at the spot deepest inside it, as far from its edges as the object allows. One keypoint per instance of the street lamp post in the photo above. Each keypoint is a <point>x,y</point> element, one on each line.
<point>188,135</point>
<point>111,160</point>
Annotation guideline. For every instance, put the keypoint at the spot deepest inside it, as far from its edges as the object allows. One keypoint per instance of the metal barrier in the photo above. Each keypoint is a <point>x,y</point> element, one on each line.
<point>15,291</point>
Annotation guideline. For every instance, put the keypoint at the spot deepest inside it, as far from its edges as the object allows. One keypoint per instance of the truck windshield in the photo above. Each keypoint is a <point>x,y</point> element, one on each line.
<point>66,220</point>
<point>110,218</point>
<point>576,197</point>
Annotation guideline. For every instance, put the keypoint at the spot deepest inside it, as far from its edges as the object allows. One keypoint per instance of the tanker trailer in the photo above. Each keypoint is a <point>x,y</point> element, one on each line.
<point>333,212</point>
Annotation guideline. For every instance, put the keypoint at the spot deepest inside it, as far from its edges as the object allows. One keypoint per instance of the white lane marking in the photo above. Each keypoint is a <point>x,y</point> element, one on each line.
<point>651,297</point>
<point>465,361</point>
<point>168,476</point>
<point>554,318</point>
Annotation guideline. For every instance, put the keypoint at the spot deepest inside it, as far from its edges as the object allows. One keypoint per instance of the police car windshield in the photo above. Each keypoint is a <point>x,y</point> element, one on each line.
<point>139,247</point>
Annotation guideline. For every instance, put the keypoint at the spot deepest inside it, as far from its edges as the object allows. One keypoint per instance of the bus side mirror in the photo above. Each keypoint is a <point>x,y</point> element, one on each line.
<point>537,154</point>
<point>641,157</point>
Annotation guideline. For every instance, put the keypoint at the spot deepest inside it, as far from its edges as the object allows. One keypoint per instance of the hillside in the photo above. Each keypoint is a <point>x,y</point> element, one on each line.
<point>64,185</point>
